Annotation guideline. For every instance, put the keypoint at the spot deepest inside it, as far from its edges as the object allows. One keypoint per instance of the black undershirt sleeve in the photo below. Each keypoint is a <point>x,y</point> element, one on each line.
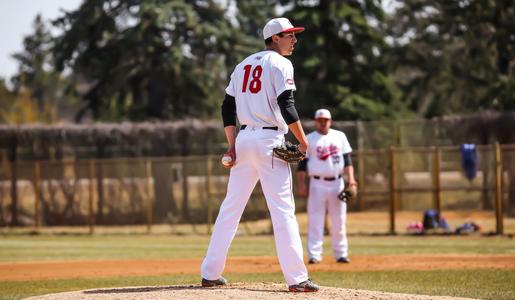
<point>303,165</point>
<point>229,111</point>
<point>347,160</point>
<point>287,105</point>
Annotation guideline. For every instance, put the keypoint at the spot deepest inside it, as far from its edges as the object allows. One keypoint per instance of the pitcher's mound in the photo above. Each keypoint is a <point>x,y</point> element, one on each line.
<point>231,291</point>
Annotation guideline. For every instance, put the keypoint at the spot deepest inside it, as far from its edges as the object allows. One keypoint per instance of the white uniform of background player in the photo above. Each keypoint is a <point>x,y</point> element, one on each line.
<point>260,94</point>
<point>328,150</point>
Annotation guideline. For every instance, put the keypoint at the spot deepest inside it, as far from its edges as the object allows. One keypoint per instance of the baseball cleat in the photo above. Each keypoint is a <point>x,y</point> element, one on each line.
<point>211,283</point>
<point>304,287</point>
<point>343,260</point>
<point>312,261</point>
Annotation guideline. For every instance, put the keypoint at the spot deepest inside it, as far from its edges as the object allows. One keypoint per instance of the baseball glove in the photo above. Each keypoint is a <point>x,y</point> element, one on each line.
<point>289,153</point>
<point>349,193</point>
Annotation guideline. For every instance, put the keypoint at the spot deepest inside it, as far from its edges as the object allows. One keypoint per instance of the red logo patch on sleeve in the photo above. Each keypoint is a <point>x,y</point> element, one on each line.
<point>289,81</point>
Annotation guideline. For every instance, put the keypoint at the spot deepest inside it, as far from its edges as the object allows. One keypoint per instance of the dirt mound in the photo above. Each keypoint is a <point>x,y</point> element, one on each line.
<point>232,291</point>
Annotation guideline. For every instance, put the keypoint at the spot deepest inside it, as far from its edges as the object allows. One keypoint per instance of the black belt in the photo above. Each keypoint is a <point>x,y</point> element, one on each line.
<point>271,127</point>
<point>328,178</point>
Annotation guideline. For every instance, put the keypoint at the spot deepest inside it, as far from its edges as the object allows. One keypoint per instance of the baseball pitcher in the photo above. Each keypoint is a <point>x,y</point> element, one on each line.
<point>260,96</point>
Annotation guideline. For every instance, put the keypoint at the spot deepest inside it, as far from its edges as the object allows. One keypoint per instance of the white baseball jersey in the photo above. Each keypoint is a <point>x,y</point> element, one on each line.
<point>255,83</point>
<point>325,153</point>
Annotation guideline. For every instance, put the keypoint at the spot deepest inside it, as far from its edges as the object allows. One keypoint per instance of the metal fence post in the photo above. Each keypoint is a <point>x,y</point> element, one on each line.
<point>436,180</point>
<point>361,165</point>
<point>185,195</point>
<point>91,214</point>
<point>37,194</point>
<point>14,193</point>
<point>499,211</point>
<point>149,195</point>
<point>393,174</point>
<point>361,178</point>
<point>208,189</point>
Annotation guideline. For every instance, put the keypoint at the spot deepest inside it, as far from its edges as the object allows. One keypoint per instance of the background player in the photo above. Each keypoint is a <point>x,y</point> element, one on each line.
<point>260,95</point>
<point>327,156</point>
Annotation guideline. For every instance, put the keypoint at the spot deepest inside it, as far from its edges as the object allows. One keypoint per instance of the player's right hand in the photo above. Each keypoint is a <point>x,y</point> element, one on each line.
<point>231,152</point>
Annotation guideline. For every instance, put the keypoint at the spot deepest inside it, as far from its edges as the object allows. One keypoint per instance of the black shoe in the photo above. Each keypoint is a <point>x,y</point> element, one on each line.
<point>312,261</point>
<point>304,287</point>
<point>211,283</point>
<point>343,260</point>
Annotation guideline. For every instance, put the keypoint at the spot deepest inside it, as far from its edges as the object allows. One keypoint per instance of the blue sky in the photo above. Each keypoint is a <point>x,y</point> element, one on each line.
<point>16,17</point>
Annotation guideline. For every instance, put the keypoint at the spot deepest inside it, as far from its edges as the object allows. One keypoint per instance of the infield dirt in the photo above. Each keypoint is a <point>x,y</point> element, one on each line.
<point>106,268</point>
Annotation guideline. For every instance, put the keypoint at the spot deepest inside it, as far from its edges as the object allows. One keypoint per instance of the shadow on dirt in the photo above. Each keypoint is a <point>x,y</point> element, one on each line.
<point>178,288</point>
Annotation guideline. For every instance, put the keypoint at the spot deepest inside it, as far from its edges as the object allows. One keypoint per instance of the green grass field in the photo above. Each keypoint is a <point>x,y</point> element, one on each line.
<point>484,283</point>
<point>77,247</point>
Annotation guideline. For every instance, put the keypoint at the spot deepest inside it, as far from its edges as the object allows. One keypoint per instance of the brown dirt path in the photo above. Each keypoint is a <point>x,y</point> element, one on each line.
<point>106,268</point>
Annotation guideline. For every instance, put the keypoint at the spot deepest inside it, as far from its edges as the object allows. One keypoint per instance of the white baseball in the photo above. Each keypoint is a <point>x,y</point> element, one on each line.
<point>226,160</point>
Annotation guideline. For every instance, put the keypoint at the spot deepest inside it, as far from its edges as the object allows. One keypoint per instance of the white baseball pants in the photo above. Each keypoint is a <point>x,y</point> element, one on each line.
<point>323,195</point>
<point>253,163</point>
